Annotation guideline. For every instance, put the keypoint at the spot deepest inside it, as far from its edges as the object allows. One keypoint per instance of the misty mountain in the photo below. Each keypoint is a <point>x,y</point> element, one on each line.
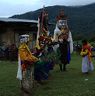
<point>81,19</point>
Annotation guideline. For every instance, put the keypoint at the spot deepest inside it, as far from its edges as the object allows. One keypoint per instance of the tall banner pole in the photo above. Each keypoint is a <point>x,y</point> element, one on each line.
<point>40,27</point>
<point>42,19</point>
<point>38,34</point>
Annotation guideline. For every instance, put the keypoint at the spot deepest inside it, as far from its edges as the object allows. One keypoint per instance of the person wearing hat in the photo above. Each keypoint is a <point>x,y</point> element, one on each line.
<point>25,63</point>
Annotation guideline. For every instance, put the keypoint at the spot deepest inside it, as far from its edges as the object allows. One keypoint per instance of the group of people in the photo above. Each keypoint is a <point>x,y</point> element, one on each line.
<point>37,65</point>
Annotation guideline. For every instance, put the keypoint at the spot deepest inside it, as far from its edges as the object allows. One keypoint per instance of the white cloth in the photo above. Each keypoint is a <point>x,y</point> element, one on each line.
<point>19,72</point>
<point>55,47</point>
<point>86,65</point>
<point>71,42</point>
<point>57,32</point>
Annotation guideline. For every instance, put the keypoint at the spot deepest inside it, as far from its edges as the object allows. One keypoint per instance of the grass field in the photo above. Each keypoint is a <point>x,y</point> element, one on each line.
<point>70,83</point>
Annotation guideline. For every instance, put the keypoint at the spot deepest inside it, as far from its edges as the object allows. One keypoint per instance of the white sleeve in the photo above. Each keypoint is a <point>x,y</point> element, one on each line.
<point>19,72</point>
<point>71,42</point>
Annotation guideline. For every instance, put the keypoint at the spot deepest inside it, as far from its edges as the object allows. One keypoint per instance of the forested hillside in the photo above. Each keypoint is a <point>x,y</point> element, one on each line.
<point>81,19</point>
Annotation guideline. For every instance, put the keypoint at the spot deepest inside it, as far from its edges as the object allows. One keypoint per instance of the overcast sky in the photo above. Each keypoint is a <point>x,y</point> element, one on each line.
<point>13,7</point>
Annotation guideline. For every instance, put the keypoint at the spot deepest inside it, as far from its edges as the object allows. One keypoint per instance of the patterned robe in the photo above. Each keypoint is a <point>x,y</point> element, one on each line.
<point>86,59</point>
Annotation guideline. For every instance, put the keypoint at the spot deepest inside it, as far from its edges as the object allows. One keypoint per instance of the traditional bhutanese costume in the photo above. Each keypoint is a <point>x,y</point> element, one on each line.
<point>25,58</point>
<point>86,59</point>
<point>63,35</point>
<point>41,71</point>
<point>25,66</point>
<point>42,67</point>
<point>62,28</point>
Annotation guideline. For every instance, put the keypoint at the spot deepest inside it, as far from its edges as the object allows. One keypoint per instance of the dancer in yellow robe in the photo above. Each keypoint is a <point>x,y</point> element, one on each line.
<point>25,63</point>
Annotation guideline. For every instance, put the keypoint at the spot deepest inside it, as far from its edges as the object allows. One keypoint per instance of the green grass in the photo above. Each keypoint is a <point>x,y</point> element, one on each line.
<point>9,85</point>
<point>70,83</point>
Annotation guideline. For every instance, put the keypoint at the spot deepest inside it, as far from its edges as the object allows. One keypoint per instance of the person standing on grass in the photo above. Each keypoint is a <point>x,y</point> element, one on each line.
<point>25,63</point>
<point>63,36</point>
<point>64,51</point>
<point>86,54</point>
